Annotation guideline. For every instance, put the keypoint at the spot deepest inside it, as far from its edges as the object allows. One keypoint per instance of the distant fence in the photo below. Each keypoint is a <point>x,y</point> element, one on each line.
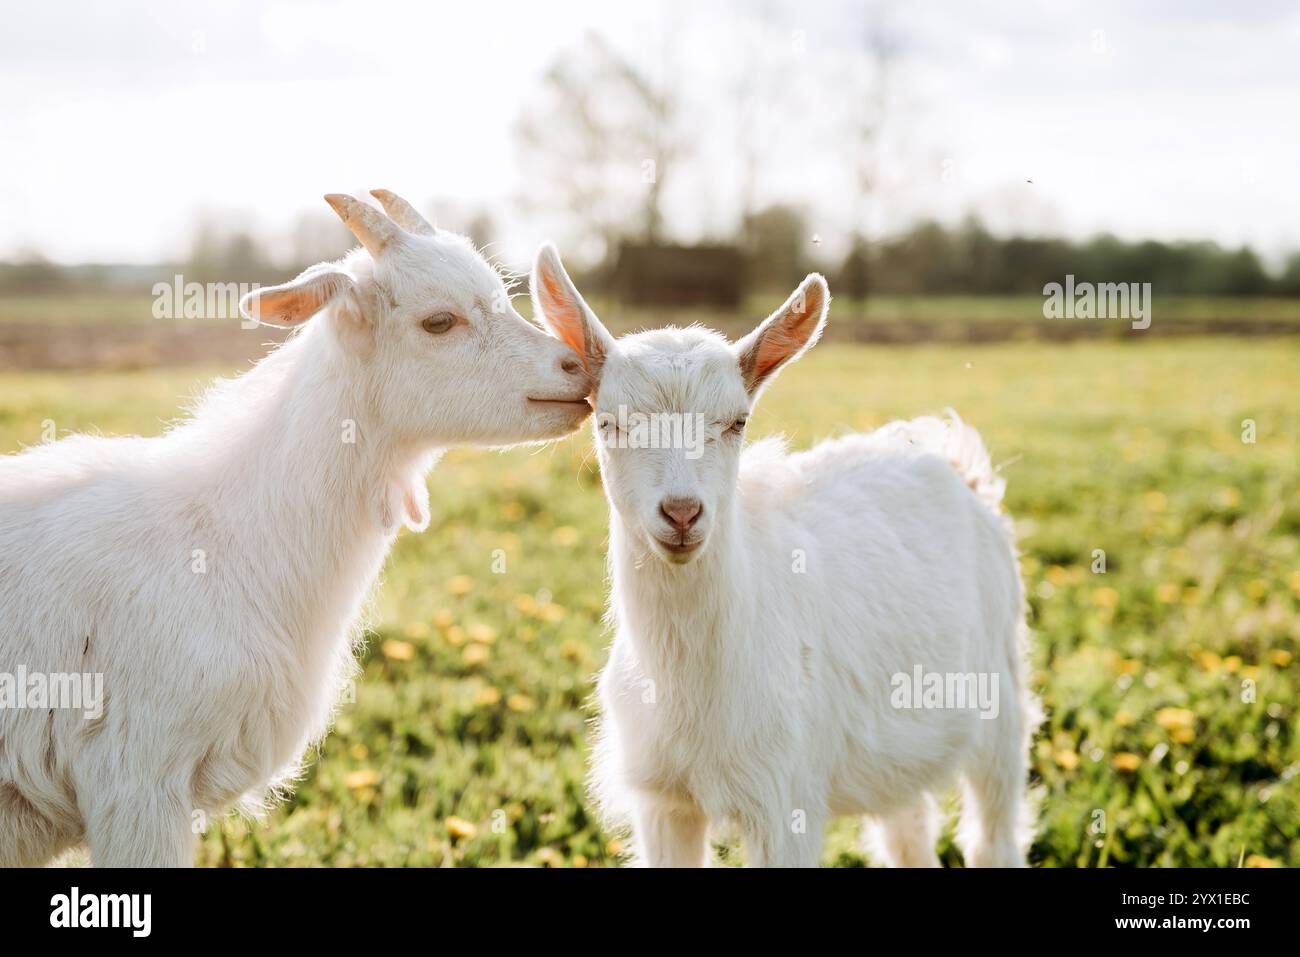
<point>679,276</point>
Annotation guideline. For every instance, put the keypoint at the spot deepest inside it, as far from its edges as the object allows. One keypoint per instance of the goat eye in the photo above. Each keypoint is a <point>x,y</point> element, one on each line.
<point>438,323</point>
<point>738,427</point>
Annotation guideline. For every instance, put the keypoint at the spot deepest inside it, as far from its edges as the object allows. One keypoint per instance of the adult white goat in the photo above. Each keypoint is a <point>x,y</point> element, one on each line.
<point>775,611</point>
<point>214,576</point>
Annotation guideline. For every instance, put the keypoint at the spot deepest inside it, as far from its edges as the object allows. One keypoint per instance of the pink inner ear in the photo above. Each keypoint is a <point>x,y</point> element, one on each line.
<point>773,348</point>
<point>787,335</point>
<point>565,316</point>
<point>290,305</point>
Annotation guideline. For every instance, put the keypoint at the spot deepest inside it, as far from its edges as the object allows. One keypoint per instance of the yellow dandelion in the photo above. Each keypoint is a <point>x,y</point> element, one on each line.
<point>526,603</point>
<point>565,536</point>
<point>416,629</point>
<point>1209,661</point>
<point>1259,860</point>
<point>579,860</point>
<point>571,649</point>
<point>1251,672</point>
<point>488,697</point>
<point>442,618</point>
<point>1057,574</point>
<point>1123,717</point>
<point>1257,589</point>
<point>520,702</point>
<point>1155,501</point>
<point>474,654</point>
<point>549,857</point>
<point>367,778</point>
<point>1231,664</point>
<point>1105,597</point>
<point>460,585</point>
<point>550,612</point>
<point>1295,582</point>
<point>1280,657</point>
<point>512,511</point>
<point>1183,735</point>
<point>1172,718</point>
<point>1067,759</point>
<point>458,827</point>
<point>613,847</point>
<point>396,650</point>
<point>1167,593</point>
<point>455,635</point>
<point>1129,666</point>
<point>484,633</point>
<point>1126,761</point>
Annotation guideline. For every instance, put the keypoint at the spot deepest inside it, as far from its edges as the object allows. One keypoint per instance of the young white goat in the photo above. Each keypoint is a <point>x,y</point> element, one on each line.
<point>773,610</point>
<point>214,576</point>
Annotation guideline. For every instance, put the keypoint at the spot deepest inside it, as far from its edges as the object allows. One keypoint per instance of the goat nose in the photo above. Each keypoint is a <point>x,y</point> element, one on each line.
<point>681,512</point>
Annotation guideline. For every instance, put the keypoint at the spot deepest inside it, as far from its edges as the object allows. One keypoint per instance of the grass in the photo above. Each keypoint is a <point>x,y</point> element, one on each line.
<point>109,307</point>
<point>1170,679</point>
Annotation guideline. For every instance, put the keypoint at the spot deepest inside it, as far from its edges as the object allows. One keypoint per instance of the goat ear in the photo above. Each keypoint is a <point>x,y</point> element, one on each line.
<point>296,301</point>
<point>561,308</point>
<point>785,334</point>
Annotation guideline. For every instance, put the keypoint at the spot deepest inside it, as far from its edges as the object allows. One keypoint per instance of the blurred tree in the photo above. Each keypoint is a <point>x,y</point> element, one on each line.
<point>774,243</point>
<point>599,143</point>
<point>221,252</point>
<point>31,271</point>
<point>761,96</point>
<point>1242,274</point>
<point>317,236</point>
<point>969,259</point>
<point>1289,283</point>
<point>481,229</point>
<point>880,48</point>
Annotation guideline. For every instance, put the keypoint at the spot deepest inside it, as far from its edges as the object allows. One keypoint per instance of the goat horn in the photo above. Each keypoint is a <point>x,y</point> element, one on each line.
<point>372,228</point>
<point>403,213</point>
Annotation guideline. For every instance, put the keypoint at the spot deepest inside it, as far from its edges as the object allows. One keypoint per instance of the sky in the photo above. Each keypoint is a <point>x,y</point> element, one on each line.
<point>120,124</point>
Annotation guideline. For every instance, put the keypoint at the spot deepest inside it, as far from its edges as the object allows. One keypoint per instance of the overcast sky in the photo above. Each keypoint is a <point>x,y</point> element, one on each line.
<point>118,123</point>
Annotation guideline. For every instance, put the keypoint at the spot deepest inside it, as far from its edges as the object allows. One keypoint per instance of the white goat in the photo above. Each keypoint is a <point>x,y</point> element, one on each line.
<point>214,576</point>
<point>773,610</point>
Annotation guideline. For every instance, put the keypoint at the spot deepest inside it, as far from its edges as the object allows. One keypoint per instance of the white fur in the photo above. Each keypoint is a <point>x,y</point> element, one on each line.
<point>215,575</point>
<point>741,691</point>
